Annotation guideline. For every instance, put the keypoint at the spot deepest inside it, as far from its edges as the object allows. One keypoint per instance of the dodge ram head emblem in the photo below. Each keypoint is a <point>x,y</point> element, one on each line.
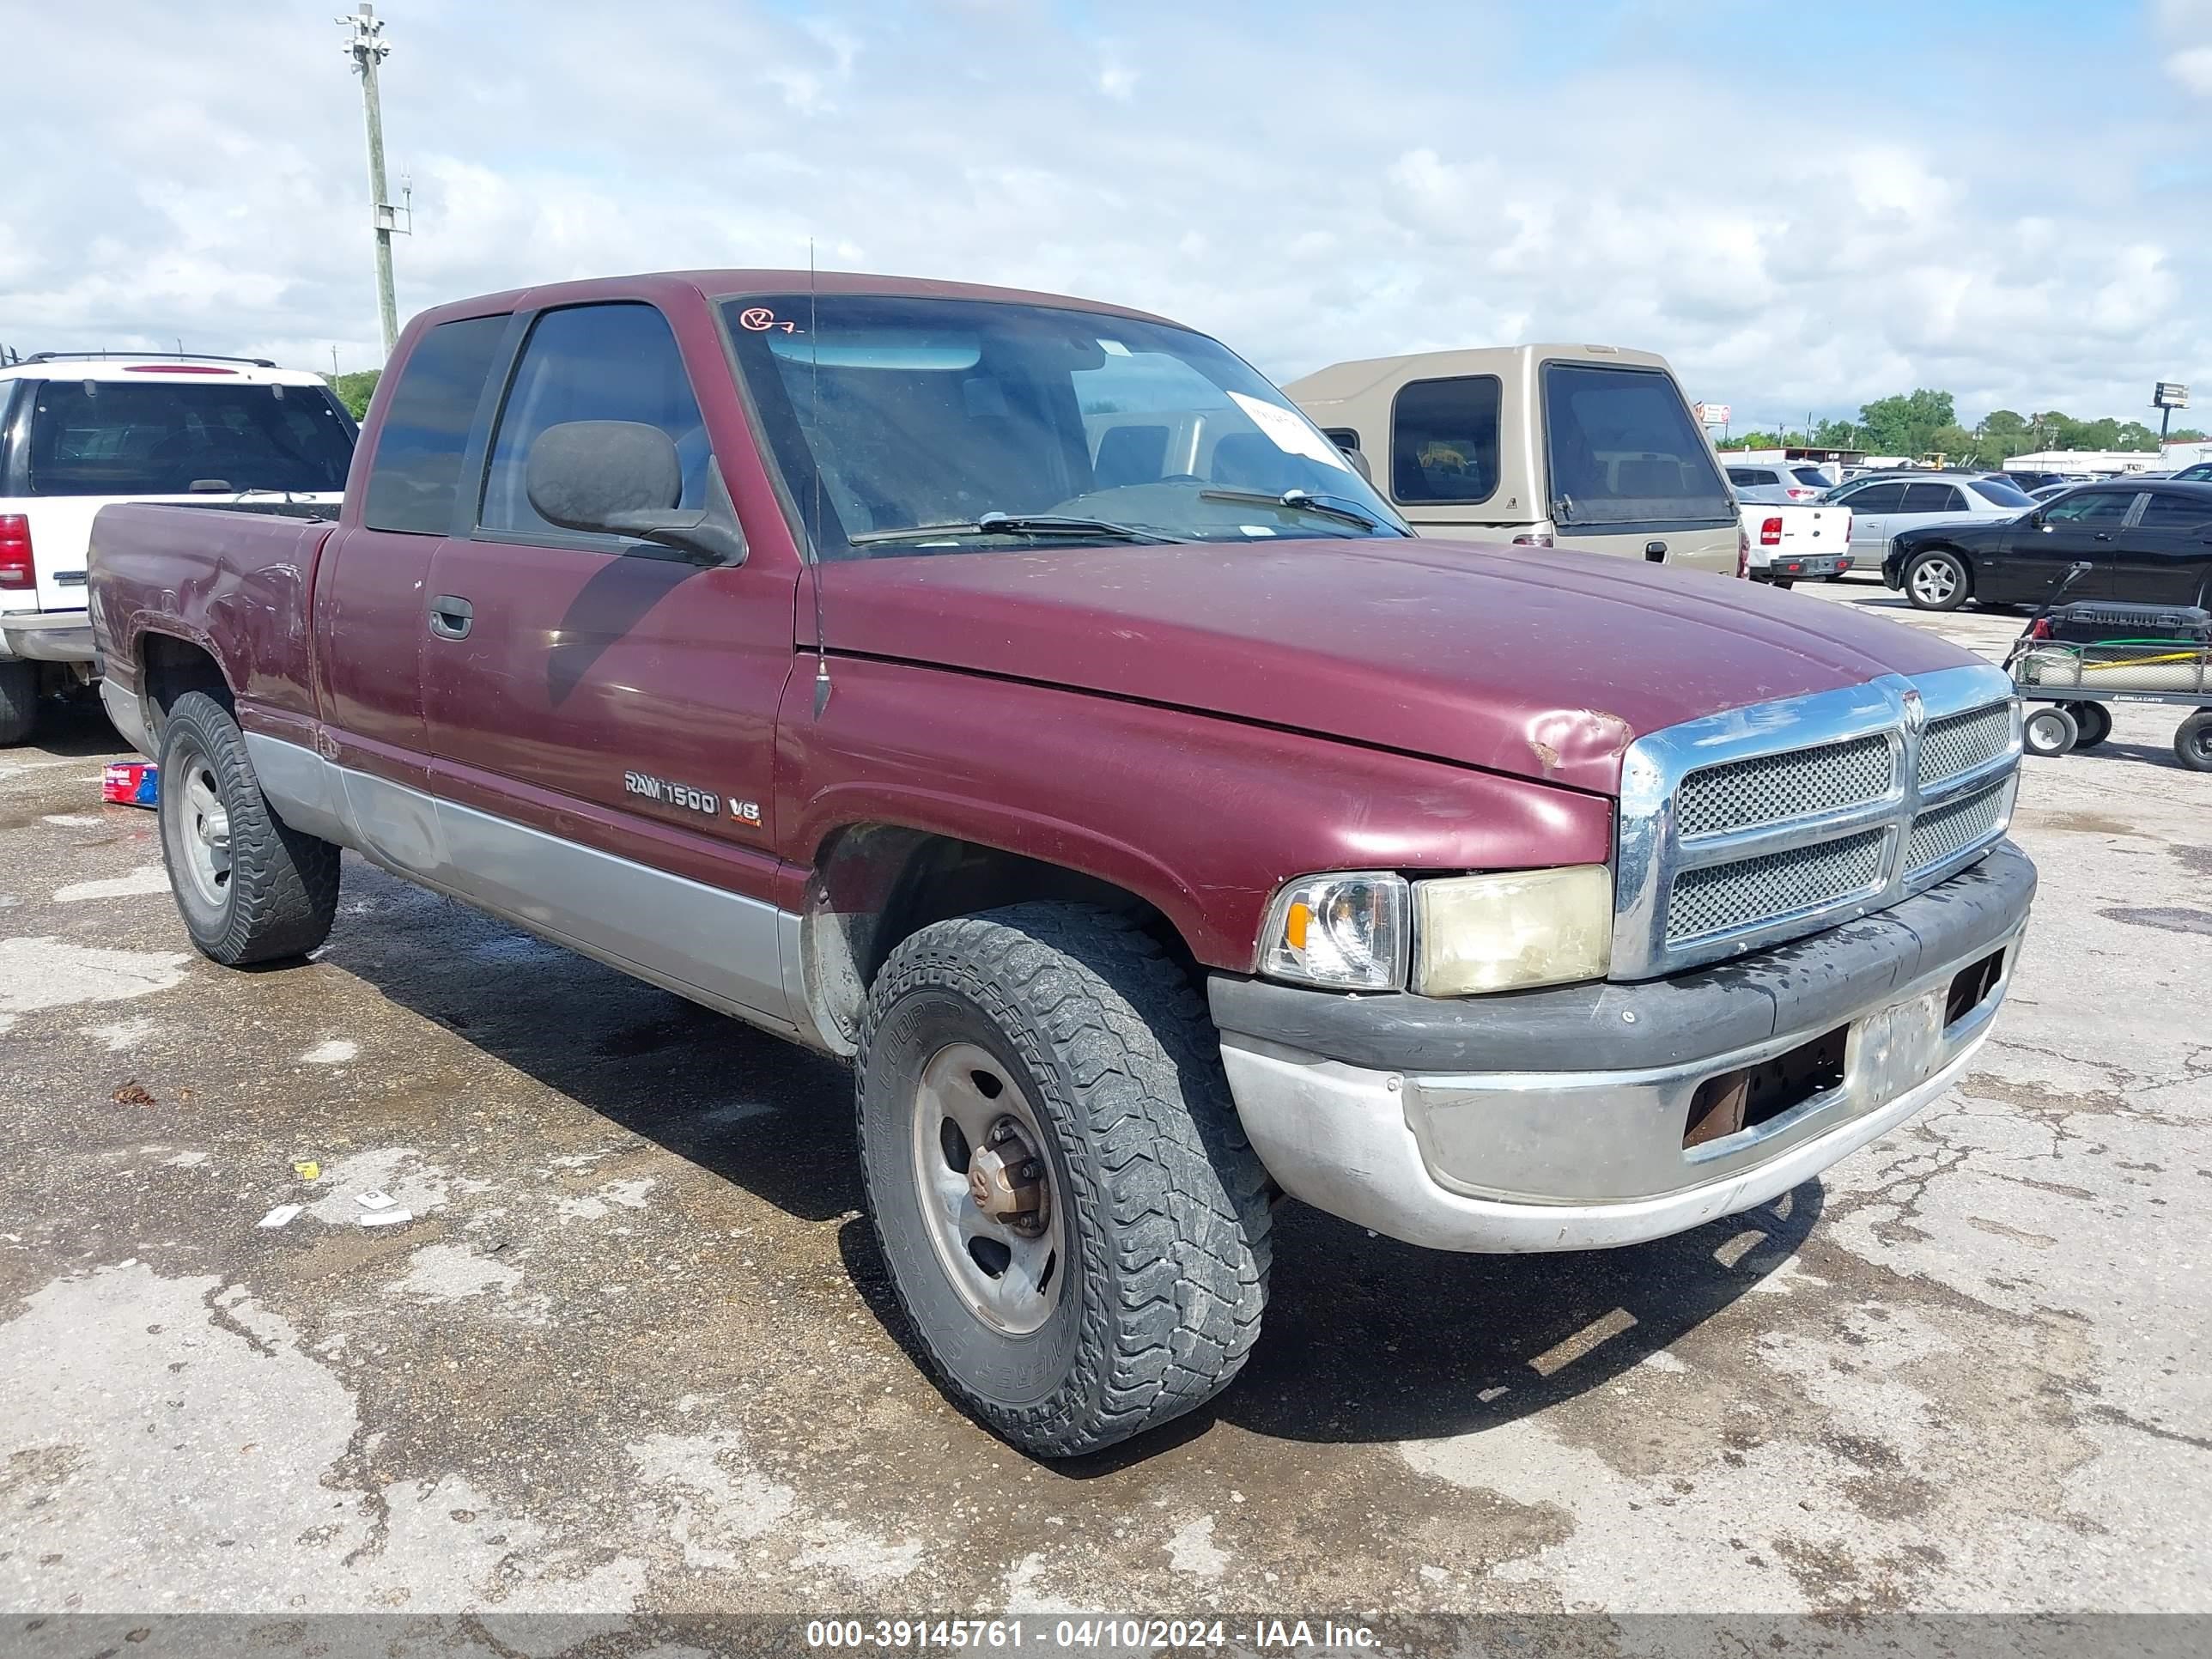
<point>1916,713</point>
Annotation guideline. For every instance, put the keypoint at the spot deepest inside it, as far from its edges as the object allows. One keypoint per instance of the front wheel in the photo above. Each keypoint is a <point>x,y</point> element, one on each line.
<point>2192,743</point>
<point>2049,731</point>
<point>1074,1223</point>
<point>1936,581</point>
<point>249,886</point>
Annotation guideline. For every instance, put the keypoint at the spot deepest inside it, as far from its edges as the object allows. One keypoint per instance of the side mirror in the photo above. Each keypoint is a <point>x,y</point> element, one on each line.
<point>1360,463</point>
<point>624,478</point>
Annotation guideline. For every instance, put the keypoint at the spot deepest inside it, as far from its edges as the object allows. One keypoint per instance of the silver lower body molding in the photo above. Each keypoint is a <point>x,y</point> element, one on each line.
<point>716,947</point>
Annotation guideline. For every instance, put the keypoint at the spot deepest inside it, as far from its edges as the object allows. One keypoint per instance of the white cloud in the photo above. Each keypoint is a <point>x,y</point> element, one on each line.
<point>2186,25</point>
<point>1796,230</point>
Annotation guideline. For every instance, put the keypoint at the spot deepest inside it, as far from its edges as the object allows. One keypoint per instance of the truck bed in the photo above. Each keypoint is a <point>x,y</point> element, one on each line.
<point>196,572</point>
<point>1811,538</point>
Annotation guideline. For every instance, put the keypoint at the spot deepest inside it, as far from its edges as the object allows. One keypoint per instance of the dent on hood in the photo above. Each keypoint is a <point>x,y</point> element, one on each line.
<point>1566,739</point>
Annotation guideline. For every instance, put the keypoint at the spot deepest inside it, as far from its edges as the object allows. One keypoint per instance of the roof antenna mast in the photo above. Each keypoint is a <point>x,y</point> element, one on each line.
<point>814,442</point>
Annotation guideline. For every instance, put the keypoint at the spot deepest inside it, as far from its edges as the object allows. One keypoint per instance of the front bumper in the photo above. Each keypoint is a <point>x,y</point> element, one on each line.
<point>48,636</point>
<point>1562,1119</point>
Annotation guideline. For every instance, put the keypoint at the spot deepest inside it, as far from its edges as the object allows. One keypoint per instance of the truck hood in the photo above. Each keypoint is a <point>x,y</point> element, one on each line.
<point>1535,662</point>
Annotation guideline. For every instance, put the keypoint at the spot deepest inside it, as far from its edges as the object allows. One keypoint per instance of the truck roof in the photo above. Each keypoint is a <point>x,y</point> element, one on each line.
<point>1349,379</point>
<point>123,365</point>
<point>717,284</point>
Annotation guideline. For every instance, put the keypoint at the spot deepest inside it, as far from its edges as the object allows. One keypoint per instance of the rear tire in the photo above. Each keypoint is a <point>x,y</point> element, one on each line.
<point>1936,580</point>
<point>19,700</point>
<point>2192,743</point>
<point>2049,731</point>
<point>1131,1291</point>
<point>249,886</point>
<point>2095,721</point>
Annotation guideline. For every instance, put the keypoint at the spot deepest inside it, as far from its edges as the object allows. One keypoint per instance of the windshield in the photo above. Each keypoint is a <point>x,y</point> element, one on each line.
<point>920,418</point>
<point>162,437</point>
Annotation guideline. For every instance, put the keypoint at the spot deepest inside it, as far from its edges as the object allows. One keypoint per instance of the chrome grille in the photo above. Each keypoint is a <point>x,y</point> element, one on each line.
<point>1714,898</point>
<point>1942,831</point>
<point>1763,823</point>
<point>1959,743</point>
<point>1800,783</point>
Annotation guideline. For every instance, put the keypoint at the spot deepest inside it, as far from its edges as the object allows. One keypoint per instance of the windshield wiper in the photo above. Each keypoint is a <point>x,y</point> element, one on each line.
<point>1332,506</point>
<point>1014,523</point>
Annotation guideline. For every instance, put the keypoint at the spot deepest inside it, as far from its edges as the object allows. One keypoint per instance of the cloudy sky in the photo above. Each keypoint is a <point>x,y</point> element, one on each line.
<point>1804,208</point>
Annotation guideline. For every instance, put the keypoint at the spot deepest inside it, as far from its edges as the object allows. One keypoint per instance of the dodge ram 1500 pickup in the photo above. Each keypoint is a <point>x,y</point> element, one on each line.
<point>1019,696</point>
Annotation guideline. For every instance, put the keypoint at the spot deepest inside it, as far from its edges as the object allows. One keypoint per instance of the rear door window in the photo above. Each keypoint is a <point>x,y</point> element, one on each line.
<point>167,438</point>
<point>416,470</point>
<point>604,363</point>
<point>2170,509</point>
<point>1933,498</point>
<point>1624,449</point>
<point>1444,441</point>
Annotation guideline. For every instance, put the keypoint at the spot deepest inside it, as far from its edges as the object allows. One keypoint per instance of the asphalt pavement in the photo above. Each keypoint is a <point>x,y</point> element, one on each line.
<point>634,1347</point>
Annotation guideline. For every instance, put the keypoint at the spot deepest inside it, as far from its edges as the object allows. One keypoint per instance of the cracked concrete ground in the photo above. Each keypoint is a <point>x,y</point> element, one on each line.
<point>634,1349</point>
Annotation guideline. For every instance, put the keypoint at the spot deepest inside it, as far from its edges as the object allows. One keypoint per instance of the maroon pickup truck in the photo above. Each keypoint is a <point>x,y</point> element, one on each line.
<point>1019,696</point>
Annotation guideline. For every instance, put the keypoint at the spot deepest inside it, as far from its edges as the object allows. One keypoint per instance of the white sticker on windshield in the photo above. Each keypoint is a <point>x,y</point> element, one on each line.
<point>1289,434</point>
<point>1114,348</point>
<point>1257,529</point>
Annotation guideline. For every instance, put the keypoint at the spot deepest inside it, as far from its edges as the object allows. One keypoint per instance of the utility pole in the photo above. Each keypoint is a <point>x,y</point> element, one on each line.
<point>367,46</point>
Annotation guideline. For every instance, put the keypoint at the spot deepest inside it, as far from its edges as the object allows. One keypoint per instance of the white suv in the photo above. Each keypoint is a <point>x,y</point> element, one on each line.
<point>81,429</point>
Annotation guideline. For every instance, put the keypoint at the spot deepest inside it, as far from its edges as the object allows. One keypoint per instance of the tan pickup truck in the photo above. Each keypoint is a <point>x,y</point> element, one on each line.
<point>1569,445</point>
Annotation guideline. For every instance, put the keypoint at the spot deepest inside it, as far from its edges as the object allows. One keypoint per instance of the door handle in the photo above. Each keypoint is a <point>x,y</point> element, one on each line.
<point>2104,535</point>
<point>450,616</point>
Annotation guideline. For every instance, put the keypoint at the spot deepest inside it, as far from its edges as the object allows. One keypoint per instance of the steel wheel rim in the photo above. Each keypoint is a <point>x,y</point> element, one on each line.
<point>203,831</point>
<point>955,1090</point>
<point>1933,580</point>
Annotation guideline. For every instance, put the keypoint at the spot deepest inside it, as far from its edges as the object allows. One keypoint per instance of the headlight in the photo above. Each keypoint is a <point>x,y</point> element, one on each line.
<point>1347,932</point>
<point>1458,935</point>
<point>1518,928</point>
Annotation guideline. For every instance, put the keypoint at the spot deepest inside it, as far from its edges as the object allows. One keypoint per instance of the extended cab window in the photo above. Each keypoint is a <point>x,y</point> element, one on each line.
<point>1444,441</point>
<point>607,363</point>
<point>1624,449</point>
<point>416,471</point>
<point>161,438</point>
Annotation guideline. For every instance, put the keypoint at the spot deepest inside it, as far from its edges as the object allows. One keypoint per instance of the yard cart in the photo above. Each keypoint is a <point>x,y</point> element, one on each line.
<point>2073,660</point>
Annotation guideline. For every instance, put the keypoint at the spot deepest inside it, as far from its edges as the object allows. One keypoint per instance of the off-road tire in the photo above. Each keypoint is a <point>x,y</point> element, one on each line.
<point>282,891</point>
<point>1165,1203</point>
<point>2095,721</point>
<point>2049,731</point>
<point>1961,587</point>
<point>19,700</point>
<point>2193,741</point>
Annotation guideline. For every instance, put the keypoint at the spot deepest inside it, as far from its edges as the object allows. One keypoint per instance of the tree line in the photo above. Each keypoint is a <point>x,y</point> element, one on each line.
<point>354,390</point>
<point>1923,423</point>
